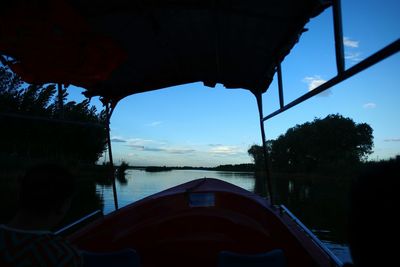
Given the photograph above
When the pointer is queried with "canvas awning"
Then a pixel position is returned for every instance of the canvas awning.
(122, 47)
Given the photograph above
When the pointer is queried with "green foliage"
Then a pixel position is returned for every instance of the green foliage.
(256, 152)
(332, 142)
(121, 172)
(122, 168)
(46, 133)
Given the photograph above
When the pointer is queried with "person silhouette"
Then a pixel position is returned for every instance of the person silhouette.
(45, 194)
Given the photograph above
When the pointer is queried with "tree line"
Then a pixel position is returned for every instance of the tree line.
(329, 144)
(39, 124)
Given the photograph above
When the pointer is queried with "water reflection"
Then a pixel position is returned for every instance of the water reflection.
(321, 203)
(85, 201)
(86, 198)
(260, 186)
(290, 187)
(244, 175)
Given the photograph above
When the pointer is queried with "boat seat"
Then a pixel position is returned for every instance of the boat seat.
(273, 258)
(123, 258)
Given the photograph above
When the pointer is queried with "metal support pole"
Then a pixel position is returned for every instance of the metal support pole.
(334, 259)
(108, 114)
(280, 85)
(267, 171)
(382, 54)
(338, 29)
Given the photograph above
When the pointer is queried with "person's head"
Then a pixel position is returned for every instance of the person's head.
(373, 213)
(46, 190)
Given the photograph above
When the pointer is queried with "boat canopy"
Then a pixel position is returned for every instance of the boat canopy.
(122, 47)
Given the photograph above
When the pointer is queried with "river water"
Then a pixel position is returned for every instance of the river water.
(319, 202)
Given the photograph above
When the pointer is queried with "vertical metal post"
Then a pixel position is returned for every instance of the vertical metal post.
(108, 112)
(280, 85)
(267, 171)
(338, 29)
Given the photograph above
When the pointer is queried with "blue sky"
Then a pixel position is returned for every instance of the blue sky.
(201, 126)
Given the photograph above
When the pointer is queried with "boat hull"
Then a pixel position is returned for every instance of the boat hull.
(188, 225)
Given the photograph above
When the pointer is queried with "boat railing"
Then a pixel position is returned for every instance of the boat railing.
(334, 259)
(78, 223)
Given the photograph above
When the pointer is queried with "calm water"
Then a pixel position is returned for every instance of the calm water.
(320, 204)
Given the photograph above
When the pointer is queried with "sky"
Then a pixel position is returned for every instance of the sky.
(194, 125)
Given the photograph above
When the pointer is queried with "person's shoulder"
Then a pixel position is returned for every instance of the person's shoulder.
(68, 250)
(9, 229)
(60, 248)
(10, 237)
(57, 240)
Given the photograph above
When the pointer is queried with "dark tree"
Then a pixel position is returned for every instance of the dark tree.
(34, 128)
(9, 90)
(332, 142)
(256, 152)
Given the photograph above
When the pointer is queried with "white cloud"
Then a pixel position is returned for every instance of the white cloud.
(225, 150)
(169, 150)
(214, 145)
(350, 43)
(118, 139)
(154, 123)
(369, 105)
(137, 147)
(140, 144)
(353, 56)
(392, 140)
(135, 142)
(155, 146)
(315, 81)
(180, 151)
